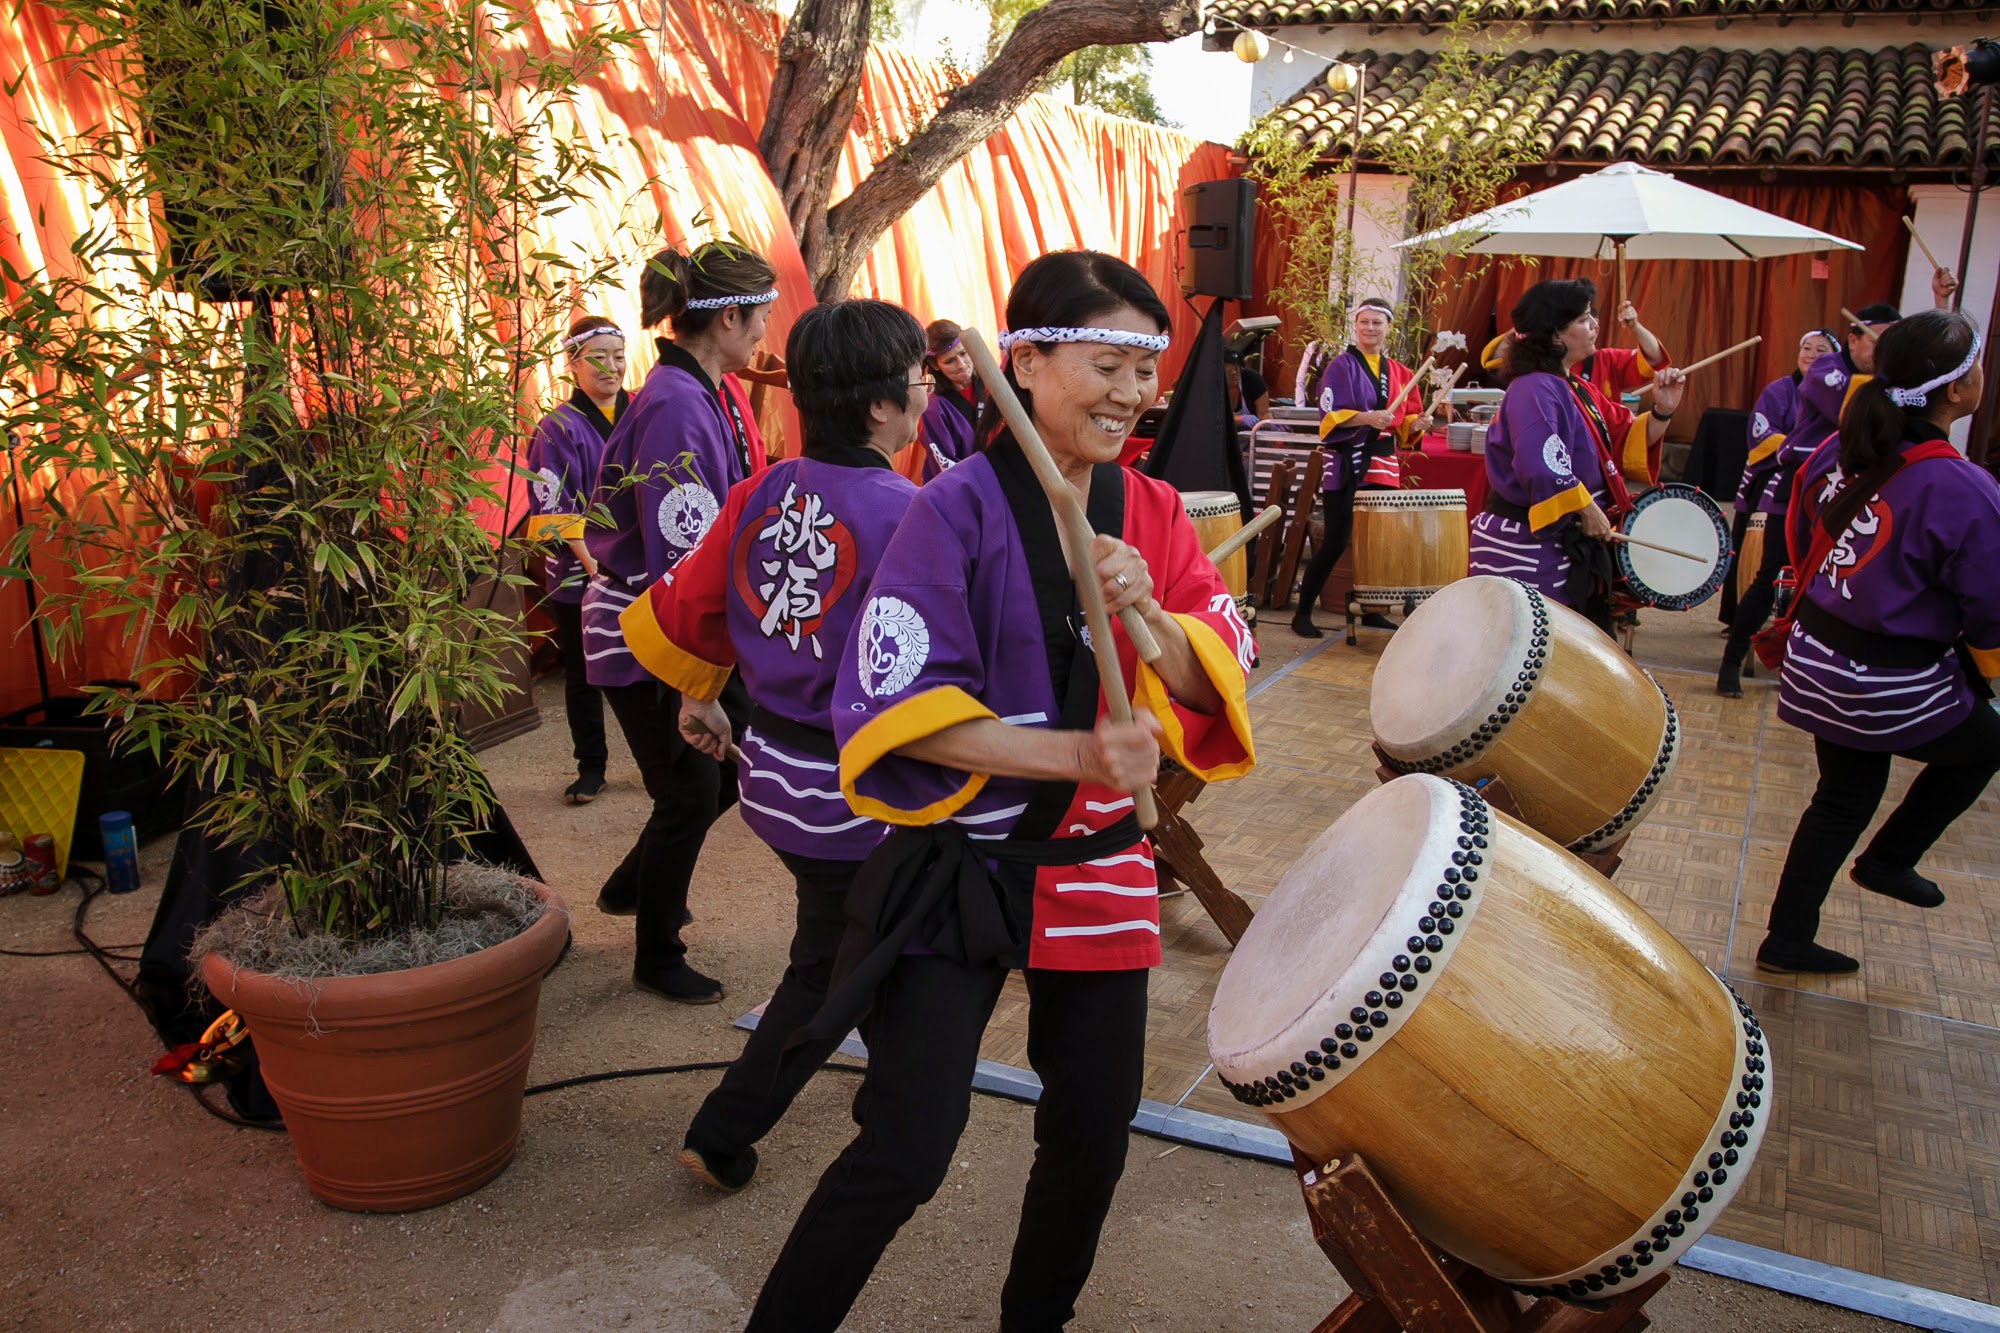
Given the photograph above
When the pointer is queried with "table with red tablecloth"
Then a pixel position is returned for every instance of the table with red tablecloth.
(1439, 469)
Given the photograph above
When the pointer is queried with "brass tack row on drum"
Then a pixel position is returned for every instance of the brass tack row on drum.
(1407, 545)
(1547, 1083)
(1489, 678)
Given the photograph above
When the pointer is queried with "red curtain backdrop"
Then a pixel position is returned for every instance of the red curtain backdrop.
(677, 120)
(1695, 308)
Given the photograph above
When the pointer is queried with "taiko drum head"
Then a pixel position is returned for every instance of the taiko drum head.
(1683, 519)
(1450, 665)
(1211, 504)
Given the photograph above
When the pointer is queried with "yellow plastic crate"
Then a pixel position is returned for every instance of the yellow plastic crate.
(39, 789)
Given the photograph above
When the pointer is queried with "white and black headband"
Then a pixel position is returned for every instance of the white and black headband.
(576, 340)
(1145, 342)
(723, 302)
(1920, 396)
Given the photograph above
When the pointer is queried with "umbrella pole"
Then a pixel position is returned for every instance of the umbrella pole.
(1624, 291)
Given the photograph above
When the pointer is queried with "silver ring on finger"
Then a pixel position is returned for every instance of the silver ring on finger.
(1122, 582)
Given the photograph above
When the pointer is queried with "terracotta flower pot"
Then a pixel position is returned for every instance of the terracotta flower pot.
(401, 1090)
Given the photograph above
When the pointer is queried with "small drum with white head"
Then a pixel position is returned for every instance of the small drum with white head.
(1751, 557)
(1217, 515)
(1407, 545)
(1679, 519)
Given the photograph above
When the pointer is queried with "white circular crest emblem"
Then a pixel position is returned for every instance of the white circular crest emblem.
(1326, 400)
(685, 513)
(893, 646)
(547, 485)
(1835, 378)
(1555, 454)
(1760, 425)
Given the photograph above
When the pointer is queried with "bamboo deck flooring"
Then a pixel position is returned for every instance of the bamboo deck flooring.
(1884, 1152)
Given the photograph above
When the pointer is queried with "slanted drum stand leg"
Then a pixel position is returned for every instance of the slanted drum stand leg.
(1178, 859)
(1400, 1284)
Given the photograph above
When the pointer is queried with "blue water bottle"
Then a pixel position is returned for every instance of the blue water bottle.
(121, 851)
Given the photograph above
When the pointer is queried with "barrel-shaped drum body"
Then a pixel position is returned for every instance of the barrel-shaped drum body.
(1408, 544)
(1217, 516)
(1752, 555)
(1548, 1084)
(1491, 679)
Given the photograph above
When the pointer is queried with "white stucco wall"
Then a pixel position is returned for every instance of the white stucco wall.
(1940, 219)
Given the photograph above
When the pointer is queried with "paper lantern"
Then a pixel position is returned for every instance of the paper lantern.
(1251, 47)
(1342, 78)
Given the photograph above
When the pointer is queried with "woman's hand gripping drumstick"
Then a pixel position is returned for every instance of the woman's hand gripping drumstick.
(705, 727)
(1076, 528)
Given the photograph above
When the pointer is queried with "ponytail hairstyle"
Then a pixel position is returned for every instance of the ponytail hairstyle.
(843, 357)
(1539, 317)
(1921, 351)
(1067, 289)
(708, 272)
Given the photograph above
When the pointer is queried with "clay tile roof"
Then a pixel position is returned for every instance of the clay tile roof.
(1294, 13)
(1692, 107)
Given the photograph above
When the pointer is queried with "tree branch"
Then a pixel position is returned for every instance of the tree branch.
(813, 95)
(972, 114)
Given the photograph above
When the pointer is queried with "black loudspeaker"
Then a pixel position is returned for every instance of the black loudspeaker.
(1217, 217)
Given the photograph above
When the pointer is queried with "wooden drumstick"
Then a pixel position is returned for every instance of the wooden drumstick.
(1655, 546)
(1445, 392)
(1239, 539)
(1110, 677)
(1746, 344)
(1917, 236)
(1853, 319)
(1414, 381)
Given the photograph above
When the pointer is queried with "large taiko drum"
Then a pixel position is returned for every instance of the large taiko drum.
(1548, 1083)
(1218, 516)
(1751, 556)
(1685, 558)
(1407, 545)
(1489, 678)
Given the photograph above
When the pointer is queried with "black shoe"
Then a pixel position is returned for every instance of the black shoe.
(617, 903)
(584, 790)
(1782, 955)
(718, 1171)
(1728, 682)
(1905, 886)
(1376, 620)
(687, 916)
(679, 983)
(1302, 625)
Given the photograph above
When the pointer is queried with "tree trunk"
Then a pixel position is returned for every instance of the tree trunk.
(813, 99)
(813, 95)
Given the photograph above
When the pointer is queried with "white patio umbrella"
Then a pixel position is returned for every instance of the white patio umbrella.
(1627, 210)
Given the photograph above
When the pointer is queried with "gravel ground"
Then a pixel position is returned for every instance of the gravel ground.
(123, 1206)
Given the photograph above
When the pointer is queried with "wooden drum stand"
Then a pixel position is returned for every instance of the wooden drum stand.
(1399, 1283)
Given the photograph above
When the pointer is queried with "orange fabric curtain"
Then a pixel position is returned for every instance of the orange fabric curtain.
(677, 122)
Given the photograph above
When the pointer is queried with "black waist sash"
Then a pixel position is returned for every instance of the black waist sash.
(1866, 646)
(1500, 508)
(799, 736)
(935, 879)
(1591, 569)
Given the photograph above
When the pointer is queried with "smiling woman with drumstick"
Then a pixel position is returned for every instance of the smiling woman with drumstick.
(1552, 466)
(971, 717)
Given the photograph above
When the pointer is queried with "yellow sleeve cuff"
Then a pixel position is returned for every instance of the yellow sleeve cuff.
(1647, 368)
(1489, 355)
(1637, 464)
(564, 527)
(913, 719)
(1571, 501)
(1771, 444)
(692, 676)
(1219, 664)
(1333, 421)
(1987, 660)
(1852, 385)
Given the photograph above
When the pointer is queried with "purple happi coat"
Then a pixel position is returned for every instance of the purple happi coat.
(1770, 422)
(1350, 386)
(971, 615)
(1823, 394)
(1918, 562)
(1541, 459)
(564, 455)
(670, 457)
(946, 435)
(772, 591)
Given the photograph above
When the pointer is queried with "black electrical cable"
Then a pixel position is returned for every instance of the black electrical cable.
(695, 1067)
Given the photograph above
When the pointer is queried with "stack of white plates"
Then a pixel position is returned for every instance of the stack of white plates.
(1479, 439)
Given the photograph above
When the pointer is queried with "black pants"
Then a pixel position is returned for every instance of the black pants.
(1337, 507)
(1086, 1039)
(689, 790)
(582, 701)
(1957, 766)
(752, 1095)
(1725, 604)
(1754, 607)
